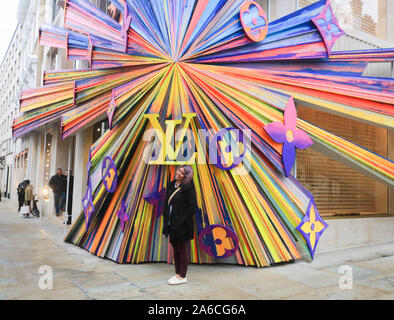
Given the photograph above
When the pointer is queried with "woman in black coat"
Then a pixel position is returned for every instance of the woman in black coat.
(179, 209)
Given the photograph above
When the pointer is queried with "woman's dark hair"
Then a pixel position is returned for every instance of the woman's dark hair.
(27, 181)
(188, 173)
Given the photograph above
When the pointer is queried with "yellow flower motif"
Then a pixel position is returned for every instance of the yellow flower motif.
(312, 227)
(221, 241)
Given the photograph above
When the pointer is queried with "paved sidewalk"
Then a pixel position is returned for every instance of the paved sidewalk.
(28, 244)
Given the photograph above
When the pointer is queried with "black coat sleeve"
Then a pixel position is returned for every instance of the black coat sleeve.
(165, 208)
(168, 191)
(192, 204)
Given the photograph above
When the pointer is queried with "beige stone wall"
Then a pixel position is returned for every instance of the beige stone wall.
(345, 233)
(391, 157)
(390, 20)
(381, 25)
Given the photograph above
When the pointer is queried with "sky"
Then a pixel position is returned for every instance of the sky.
(371, 7)
(8, 22)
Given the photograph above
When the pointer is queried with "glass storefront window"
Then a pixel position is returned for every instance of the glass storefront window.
(369, 16)
(339, 190)
(99, 129)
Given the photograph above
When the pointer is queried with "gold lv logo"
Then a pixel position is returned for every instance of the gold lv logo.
(175, 146)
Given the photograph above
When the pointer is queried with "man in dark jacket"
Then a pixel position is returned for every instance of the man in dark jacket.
(58, 184)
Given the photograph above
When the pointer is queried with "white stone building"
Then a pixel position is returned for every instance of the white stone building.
(42, 150)
(11, 74)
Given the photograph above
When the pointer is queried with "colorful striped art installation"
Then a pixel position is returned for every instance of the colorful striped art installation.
(212, 66)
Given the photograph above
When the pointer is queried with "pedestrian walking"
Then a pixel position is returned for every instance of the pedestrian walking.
(21, 194)
(58, 184)
(29, 195)
(179, 210)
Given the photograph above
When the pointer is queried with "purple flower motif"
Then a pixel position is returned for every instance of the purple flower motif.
(122, 214)
(220, 156)
(289, 135)
(109, 174)
(312, 227)
(328, 26)
(218, 241)
(157, 199)
(87, 203)
(254, 21)
(125, 27)
(252, 18)
(111, 109)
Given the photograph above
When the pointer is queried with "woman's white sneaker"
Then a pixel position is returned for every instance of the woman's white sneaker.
(170, 281)
(175, 280)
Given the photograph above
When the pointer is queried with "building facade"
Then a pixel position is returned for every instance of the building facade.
(37, 155)
(11, 74)
(348, 198)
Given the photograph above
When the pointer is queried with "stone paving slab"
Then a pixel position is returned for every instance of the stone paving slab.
(28, 244)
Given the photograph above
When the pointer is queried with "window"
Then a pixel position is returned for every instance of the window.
(99, 129)
(369, 16)
(103, 5)
(339, 190)
(52, 59)
(54, 9)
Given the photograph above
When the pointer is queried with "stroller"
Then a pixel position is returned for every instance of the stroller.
(26, 210)
(35, 212)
